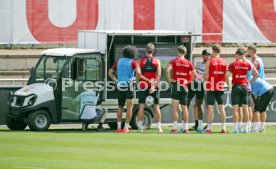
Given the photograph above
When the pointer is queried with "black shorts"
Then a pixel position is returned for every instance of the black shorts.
(144, 93)
(249, 100)
(123, 95)
(179, 93)
(196, 88)
(262, 102)
(213, 96)
(239, 95)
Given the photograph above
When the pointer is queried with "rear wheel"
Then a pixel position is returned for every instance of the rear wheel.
(147, 120)
(13, 124)
(39, 120)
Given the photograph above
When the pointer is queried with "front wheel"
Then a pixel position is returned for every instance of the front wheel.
(13, 124)
(147, 120)
(39, 120)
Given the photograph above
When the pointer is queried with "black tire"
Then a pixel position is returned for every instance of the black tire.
(39, 120)
(147, 121)
(13, 124)
(113, 125)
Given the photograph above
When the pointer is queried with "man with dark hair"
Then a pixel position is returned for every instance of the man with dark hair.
(125, 68)
(181, 68)
(215, 76)
(148, 85)
(196, 88)
(239, 94)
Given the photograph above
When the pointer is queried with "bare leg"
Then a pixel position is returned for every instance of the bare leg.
(263, 117)
(129, 105)
(119, 114)
(235, 109)
(175, 104)
(210, 116)
(119, 117)
(157, 113)
(240, 115)
(246, 117)
(222, 116)
(263, 120)
(141, 116)
(199, 105)
(195, 112)
(158, 117)
(185, 117)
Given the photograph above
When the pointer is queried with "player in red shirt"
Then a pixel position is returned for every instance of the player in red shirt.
(180, 79)
(215, 76)
(150, 77)
(239, 94)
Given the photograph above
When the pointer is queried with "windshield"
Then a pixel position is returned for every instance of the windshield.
(49, 67)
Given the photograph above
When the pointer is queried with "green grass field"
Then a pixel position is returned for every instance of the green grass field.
(76, 149)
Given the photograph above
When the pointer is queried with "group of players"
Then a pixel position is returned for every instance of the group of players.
(249, 90)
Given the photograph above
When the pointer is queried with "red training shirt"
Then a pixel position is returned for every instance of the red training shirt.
(181, 69)
(239, 70)
(217, 71)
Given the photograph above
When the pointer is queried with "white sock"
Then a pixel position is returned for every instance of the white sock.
(250, 123)
(262, 125)
(199, 124)
(222, 126)
(259, 124)
(236, 126)
(175, 125)
(184, 125)
(158, 125)
(240, 125)
(209, 126)
(140, 124)
(247, 127)
(255, 126)
(119, 124)
(126, 125)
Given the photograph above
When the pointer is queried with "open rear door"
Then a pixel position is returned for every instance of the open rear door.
(87, 71)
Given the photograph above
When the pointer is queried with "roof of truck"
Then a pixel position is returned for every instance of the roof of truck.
(68, 51)
(142, 32)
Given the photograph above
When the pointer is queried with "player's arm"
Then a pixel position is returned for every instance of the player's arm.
(111, 74)
(158, 72)
(255, 74)
(112, 71)
(168, 73)
(193, 74)
(206, 73)
(227, 76)
(137, 69)
(256, 64)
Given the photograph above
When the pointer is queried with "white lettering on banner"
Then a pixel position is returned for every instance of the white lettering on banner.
(273, 106)
(46, 21)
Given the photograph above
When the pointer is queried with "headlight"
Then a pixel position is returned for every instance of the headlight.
(31, 100)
